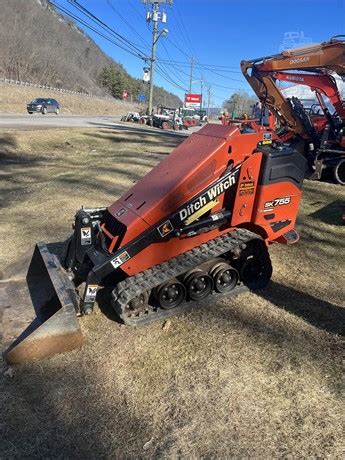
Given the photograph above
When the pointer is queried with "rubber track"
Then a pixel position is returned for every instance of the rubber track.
(131, 287)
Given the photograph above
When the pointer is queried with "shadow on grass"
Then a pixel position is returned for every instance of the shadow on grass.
(317, 312)
(320, 313)
(61, 411)
(9, 160)
(330, 214)
(8, 156)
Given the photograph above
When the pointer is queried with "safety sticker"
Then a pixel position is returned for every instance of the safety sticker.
(91, 291)
(85, 234)
(247, 188)
(165, 228)
(267, 138)
(120, 259)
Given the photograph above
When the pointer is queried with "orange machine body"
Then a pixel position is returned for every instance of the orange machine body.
(193, 167)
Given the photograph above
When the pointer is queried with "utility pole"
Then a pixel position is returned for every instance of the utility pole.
(201, 88)
(208, 101)
(155, 15)
(192, 62)
(155, 8)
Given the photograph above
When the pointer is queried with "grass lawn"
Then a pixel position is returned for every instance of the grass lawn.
(259, 375)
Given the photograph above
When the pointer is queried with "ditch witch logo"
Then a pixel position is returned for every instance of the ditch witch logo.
(220, 187)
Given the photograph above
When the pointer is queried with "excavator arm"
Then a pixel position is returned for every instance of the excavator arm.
(262, 73)
(324, 84)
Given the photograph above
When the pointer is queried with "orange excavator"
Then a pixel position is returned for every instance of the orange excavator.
(321, 139)
(195, 228)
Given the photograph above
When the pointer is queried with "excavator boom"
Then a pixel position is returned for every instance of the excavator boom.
(261, 74)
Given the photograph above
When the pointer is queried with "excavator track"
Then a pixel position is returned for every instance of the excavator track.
(144, 282)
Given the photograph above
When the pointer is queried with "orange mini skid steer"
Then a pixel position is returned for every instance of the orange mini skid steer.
(194, 228)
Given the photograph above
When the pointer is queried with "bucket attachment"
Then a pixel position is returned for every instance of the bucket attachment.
(37, 302)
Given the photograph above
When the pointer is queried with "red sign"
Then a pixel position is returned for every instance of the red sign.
(193, 98)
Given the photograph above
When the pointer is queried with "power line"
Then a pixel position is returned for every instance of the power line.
(189, 44)
(214, 84)
(90, 27)
(175, 45)
(173, 69)
(129, 25)
(105, 26)
(126, 45)
(134, 8)
(209, 65)
(166, 77)
(201, 67)
(141, 38)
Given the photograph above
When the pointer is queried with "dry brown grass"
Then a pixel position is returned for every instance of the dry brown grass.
(256, 376)
(13, 99)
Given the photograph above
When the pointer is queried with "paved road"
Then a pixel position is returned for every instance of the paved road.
(54, 121)
(39, 121)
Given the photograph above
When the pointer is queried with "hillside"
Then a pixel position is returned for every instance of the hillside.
(13, 99)
(42, 46)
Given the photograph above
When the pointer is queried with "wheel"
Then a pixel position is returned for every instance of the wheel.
(57, 110)
(225, 277)
(138, 304)
(44, 110)
(254, 265)
(171, 294)
(339, 172)
(187, 121)
(193, 122)
(142, 121)
(199, 284)
(165, 125)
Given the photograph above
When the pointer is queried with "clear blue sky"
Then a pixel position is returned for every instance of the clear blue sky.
(217, 33)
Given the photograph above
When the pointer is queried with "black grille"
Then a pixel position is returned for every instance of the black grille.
(113, 226)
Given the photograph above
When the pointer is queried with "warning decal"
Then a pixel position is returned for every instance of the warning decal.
(120, 259)
(91, 291)
(165, 228)
(85, 235)
(247, 188)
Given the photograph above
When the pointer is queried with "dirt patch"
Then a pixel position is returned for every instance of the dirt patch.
(256, 376)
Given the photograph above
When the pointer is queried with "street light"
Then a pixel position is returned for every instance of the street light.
(162, 33)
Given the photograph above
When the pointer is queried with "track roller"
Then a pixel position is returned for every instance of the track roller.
(224, 276)
(199, 284)
(170, 294)
(138, 305)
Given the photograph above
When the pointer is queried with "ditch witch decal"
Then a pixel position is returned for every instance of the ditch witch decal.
(215, 190)
(165, 228)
